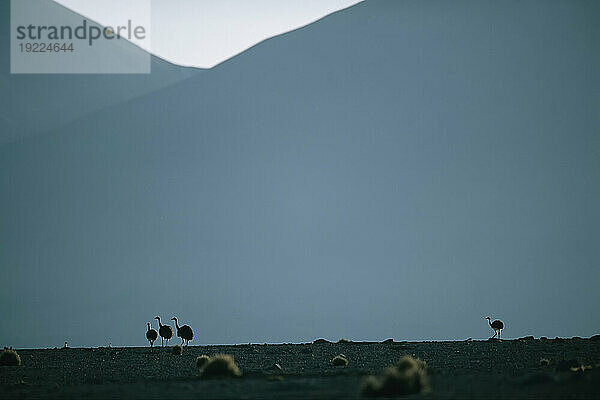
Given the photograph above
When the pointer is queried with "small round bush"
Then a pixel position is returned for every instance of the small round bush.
(177, 350)
(201, 360)
(409, 363)
(544, 362)
(343, 340)
(407, 377)
(339, 360)
(9, 357)
(220, 366)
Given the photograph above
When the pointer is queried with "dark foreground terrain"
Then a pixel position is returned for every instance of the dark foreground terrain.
(468, 369)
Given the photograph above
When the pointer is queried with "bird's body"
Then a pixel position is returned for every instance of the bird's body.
(184, 332)
(497, 326)
(151, 335)
(165, 332)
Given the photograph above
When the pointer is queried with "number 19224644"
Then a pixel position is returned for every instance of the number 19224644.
(46, 47)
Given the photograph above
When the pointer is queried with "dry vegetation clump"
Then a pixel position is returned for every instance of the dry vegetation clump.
(343, 340)
(409, 376)
(582, 368)
(9, 357)
(220, 366)
(202, 360)
(566, 365)
(339, 361)
(544, 362)
(177, 350)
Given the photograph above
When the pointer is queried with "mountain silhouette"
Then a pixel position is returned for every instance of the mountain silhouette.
(37, 103)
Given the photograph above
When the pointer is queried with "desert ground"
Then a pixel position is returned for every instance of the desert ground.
(456, 369)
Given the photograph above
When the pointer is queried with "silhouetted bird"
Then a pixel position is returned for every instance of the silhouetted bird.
(165, 332)
(497, 326)
(151, 335)
(185, 332)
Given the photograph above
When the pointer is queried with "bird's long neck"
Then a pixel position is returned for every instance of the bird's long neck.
(159, 324)
(148, 325)
(176, 324)
(489, 321)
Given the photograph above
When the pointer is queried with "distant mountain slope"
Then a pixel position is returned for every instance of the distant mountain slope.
(398, 168)
(32, 104)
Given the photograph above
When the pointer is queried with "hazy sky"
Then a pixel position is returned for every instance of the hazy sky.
(398, 169)
(203, 33)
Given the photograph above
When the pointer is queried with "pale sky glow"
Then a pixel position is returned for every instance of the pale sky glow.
(203, 33)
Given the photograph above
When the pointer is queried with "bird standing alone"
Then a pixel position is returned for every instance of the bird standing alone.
(497, 326)
(165, 331)
(185, 332)
(151, 335)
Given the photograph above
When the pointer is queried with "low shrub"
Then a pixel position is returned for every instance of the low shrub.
(566, 365)
(177, 350)
(339, 360)
(409, 376)
(9, 358)
(202, 360)
(220, 366)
